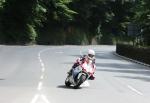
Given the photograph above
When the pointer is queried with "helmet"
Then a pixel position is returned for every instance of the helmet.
(91, 54)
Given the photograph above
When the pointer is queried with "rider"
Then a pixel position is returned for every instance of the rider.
(89, 59)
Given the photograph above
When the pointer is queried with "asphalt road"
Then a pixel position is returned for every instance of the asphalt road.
(36, 74)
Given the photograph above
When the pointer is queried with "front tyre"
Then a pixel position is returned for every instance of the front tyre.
(80, 81)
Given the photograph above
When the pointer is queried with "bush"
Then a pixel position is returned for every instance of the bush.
(141, 54)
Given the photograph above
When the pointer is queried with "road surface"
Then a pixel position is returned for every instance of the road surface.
(36, 74)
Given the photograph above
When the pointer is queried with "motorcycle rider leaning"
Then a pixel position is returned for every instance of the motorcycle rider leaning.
(90, 59)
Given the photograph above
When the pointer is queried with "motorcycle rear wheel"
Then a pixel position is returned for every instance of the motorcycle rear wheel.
(67, 83)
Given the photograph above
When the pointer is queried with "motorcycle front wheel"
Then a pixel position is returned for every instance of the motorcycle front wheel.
(80, 81)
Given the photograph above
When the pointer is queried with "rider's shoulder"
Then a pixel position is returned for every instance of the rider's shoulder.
(81, 58)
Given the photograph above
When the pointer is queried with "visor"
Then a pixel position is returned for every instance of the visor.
(90, 55)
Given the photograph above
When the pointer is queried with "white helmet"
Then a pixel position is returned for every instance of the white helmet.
(91, 54)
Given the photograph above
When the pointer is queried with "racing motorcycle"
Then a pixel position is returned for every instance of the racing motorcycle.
(77, 77)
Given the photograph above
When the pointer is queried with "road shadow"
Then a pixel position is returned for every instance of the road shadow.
(107, 55)
(114, 65)
(119, 65)
(131, 71)
(65, 87)
(2, 79)
(124, 67)
(147, 79)
(99, 55)
(139, 70)
(103, 55)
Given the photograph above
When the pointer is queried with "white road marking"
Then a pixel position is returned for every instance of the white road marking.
(42, 64)
(43, 69)
(40, 96)
(42, 77)
(40, 85)
(35, 98)
(40, 60)
(135, 90)
(44, 98)
(130, 87)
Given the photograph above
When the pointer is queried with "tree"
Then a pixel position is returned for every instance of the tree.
(91, 15)
(142, 17)
(1, 9)
(58, 17)
(18, 21)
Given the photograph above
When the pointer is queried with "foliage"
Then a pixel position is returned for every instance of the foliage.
(122, 16)
(49, 21)
(17, 19)
(58, 16)
(142, 17)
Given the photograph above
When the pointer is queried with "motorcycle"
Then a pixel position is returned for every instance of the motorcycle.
(77, 77)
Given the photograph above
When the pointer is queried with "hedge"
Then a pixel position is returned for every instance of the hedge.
(140, 54)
